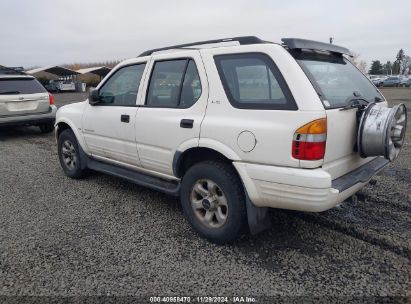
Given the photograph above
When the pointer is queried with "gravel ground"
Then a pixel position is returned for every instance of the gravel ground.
(105, 236)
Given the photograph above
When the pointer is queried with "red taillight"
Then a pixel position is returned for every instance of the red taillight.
(309, 140)
(51, 99)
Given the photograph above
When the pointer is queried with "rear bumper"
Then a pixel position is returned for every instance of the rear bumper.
(30, 119)
(303, 189)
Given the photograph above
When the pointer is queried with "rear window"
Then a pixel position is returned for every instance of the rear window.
(20, 86)
(336, 79)
(252, 81)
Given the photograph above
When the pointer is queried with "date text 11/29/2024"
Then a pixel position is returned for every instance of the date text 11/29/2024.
(176, 299)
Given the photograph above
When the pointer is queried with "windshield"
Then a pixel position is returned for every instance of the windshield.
(336, 79)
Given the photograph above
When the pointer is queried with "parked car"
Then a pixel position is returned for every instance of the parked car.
(24, 101)
(391, 82)
(233, 130)
(378, 81)
(60, 86)
(405, 82)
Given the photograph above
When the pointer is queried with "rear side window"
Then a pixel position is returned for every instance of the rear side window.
(174, 84)
(20, 86)
(252, 81)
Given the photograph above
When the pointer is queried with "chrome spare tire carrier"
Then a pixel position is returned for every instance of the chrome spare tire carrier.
(381, 131)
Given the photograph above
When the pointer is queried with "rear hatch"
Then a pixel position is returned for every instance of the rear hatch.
(339, 83)
(22, 95)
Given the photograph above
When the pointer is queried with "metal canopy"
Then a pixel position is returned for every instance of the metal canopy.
(11, 70)
(100, 71)
(56, 70)
(296, 43)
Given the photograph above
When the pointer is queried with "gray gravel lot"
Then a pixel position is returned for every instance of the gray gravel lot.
(105, 236)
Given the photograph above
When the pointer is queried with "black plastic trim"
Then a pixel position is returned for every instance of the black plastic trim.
(28, 122)
(297, 43)
(187, 123)
(149, 181)
(360, 175)
(177, 162)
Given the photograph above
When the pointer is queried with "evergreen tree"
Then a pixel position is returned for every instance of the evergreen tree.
(376, 68)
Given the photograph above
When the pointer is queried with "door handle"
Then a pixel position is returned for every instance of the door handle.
(187, 123)
(125, 118)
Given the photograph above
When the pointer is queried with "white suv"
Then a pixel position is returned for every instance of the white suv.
(234, 129)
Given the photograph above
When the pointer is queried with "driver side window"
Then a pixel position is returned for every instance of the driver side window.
(122, 87)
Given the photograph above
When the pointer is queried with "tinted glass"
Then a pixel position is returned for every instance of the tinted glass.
(337, 78)
(21, 86)
(122, 87)
(191, 90)
(252, 80)
(165, 83)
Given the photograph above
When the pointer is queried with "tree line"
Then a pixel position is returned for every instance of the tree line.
(401, 65)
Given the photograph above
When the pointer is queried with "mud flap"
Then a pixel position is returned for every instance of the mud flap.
(84, 159)
(258, 218)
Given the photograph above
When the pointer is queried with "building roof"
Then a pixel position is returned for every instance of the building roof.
(56, 70)
(100, 71)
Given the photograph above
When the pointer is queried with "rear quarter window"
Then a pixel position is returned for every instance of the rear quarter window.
(21, 86)
(253, 81)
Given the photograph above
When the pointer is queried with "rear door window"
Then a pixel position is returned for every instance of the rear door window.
(20, 86)
(253, 81)
(174, 84)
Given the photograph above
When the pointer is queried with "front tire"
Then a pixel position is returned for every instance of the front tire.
(213, 201)
(69, 155)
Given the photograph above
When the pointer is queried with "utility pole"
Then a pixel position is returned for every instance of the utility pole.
(331, 40)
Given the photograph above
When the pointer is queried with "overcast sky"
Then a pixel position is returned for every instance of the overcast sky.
(51, 32)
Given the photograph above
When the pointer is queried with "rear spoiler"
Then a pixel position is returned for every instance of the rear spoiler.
(296, 43)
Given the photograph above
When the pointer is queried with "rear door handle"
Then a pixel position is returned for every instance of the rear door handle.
(125, 118)
(187, 123)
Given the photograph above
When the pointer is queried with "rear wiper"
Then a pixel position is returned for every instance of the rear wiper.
(355, 101)
(9, 92)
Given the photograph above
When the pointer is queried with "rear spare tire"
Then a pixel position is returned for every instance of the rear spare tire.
(382, 131)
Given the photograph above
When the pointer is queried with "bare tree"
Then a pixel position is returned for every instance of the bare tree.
(358, 62)
(405, 63)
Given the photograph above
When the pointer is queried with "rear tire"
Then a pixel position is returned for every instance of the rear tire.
(213, 201)
(69, 155)
(46, 127)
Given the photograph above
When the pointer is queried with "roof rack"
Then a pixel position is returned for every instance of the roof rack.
(241, 40)
(296, 43)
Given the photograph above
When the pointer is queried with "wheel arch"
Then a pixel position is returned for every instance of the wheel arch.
(64, 124)
(184, 159)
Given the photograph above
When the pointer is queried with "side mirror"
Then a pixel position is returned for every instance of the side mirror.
(93, 97)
